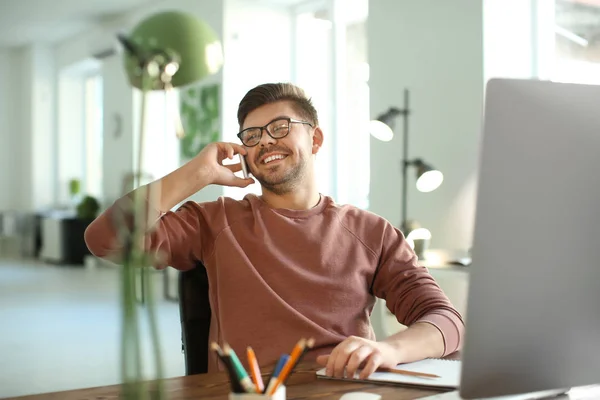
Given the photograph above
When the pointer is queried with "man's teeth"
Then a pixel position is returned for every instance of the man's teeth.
(272, 158)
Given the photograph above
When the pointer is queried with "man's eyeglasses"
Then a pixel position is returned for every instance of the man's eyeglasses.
(277, 129)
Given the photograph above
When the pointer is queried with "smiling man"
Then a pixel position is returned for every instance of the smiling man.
(290, 263)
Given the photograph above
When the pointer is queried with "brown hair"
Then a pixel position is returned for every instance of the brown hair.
(273, 92)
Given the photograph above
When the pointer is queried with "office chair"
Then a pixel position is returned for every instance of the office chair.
(194, 314)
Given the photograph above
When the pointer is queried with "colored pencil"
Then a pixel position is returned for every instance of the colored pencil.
(255, 370)
(287, 368)
(409, 373)
(273, 378)
(236, 387)
(243, 377)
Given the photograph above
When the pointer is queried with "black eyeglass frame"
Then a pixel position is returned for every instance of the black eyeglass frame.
(265, 128)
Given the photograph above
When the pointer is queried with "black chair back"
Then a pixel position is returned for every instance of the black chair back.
(194, 312)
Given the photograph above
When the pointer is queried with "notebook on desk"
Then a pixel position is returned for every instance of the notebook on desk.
(447, 370)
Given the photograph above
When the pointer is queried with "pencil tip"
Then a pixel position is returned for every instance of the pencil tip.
(310, 342)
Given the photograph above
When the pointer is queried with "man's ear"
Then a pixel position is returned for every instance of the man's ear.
(317, 139)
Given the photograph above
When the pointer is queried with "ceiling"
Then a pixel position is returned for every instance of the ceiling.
(25, 21)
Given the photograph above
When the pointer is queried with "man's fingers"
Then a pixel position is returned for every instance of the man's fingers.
(234, 167)
(239, 182)
(371, 366)
(329, 368)
(356, 359)
(237, 149)
(342, 356)
(322, 359)
(228, 150)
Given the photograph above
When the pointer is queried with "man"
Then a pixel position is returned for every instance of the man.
(291, 263)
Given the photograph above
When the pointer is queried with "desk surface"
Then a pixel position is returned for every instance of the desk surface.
(303, 384)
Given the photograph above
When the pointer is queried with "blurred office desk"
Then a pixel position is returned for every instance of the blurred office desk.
(303, 384)
(18, 234)
(62, 238)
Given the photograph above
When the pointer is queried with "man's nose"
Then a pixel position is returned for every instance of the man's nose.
(266, 139)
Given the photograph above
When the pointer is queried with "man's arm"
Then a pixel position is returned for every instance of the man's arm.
(170, 233)
(435, 328)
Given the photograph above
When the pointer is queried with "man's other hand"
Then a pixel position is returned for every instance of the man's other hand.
(356, 353)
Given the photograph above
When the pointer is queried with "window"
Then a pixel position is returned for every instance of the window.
(576, 56)
(355, 168)
(92, 179)
(330, 63)
(161, 151)
(313, 71)
(80, 132)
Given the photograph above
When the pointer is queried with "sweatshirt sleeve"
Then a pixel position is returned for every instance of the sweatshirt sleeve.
(411, 293)
(177, 239)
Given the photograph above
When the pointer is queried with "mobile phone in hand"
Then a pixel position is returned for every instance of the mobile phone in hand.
(244, 167)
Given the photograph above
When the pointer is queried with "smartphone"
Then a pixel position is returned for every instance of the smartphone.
(244, 167)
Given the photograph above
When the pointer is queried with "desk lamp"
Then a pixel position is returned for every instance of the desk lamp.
(428, 178)
(164, 51)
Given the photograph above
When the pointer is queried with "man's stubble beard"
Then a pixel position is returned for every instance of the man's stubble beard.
(285, 184)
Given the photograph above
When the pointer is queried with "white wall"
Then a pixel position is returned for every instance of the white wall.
(6, 129)
(23, 144)
(29, 129)
(13, 98)
(43, 127)
(118, 139)
(435, 49)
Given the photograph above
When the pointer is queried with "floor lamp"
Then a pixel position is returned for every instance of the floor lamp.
(428, 178)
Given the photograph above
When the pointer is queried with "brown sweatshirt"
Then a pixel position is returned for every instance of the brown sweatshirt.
(276, 275)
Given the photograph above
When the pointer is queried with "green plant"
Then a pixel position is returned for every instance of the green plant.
(88, 208)
(200, 110)
(74, 187)
(167, 50)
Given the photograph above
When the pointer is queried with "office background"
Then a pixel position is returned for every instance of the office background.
(67, 114)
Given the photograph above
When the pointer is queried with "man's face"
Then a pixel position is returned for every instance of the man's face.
(280, 165)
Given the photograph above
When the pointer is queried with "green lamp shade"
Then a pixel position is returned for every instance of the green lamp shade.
(191, 41)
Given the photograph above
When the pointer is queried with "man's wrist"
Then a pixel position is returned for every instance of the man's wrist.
(181, 184)
(420, 340)
(398, 344)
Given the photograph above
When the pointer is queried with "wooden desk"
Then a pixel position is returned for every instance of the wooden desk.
(303, 384)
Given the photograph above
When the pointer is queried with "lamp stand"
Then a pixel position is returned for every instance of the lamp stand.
(405, 112)
(428, 178)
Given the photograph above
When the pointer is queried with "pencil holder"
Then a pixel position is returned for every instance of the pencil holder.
(278, 395)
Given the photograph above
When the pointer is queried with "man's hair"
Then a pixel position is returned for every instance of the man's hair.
(273, 92)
